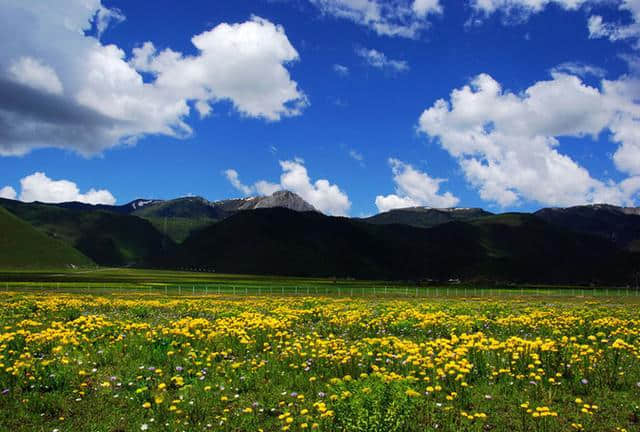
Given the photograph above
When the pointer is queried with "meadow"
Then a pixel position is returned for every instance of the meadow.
(107, 359)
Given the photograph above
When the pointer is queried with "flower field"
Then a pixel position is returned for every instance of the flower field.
(130, 362)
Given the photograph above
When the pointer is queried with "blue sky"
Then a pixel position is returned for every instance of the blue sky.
(329, 90)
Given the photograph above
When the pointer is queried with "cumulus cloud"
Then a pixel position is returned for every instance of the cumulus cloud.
(35, 74)
(264, 187)
(402, 18)
(414, 188)
(8, 192)
(127, 96)
(507, 144)
(39, 187)
(379, 60)
(324, 196)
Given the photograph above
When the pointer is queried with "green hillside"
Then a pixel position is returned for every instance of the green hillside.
(178, 228)
(23, 246)
(505, 248)
(108, 238)
(180, 217)
(422, 217)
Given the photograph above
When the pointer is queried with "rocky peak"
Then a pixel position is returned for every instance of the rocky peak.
(283, 198)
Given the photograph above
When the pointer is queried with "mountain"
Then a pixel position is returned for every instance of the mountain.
(23, 246)
(509, 247)
(107, 237)
(621, 225)
(179, 217)
(283, 199)
(175, 219)
(426, 217)
(526, 248)
(281, 234)
(285, 242)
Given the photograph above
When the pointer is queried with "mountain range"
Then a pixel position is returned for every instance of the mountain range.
(281, 234)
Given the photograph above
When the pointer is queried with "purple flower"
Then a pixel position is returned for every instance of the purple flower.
(321, 394)
(294, 394)
(5, 391)
(584, 381)
(179, 368)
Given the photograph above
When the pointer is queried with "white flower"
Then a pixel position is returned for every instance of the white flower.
(144, 426)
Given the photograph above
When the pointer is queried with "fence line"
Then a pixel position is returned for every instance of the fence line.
(372, 291)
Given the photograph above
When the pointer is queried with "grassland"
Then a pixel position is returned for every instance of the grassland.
(141, 358)
(95, 279)
(24, 247)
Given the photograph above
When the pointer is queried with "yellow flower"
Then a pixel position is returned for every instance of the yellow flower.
(412, 393)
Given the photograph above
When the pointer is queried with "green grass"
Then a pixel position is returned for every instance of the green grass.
(123, 360)
(105, 237)
(23, 247)
(172, 282)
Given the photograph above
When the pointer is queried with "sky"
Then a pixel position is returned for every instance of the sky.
(359, 106)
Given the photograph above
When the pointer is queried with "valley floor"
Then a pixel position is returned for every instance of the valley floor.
(102, 359)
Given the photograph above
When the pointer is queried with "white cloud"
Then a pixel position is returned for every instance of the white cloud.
(39, 187)
(341, 70)
(414, 188)
(33, 73)
(522, 6)
(264, 187)
(324, 196)
(379, 60)
(616, 31)
(8, 192)
(520, 10)
(239, 62)
(356, 155)
(232, 176)
(106, 100)
(580, 69)
(423, 8)
(403, 18)
(105, 16)
(507, 144)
